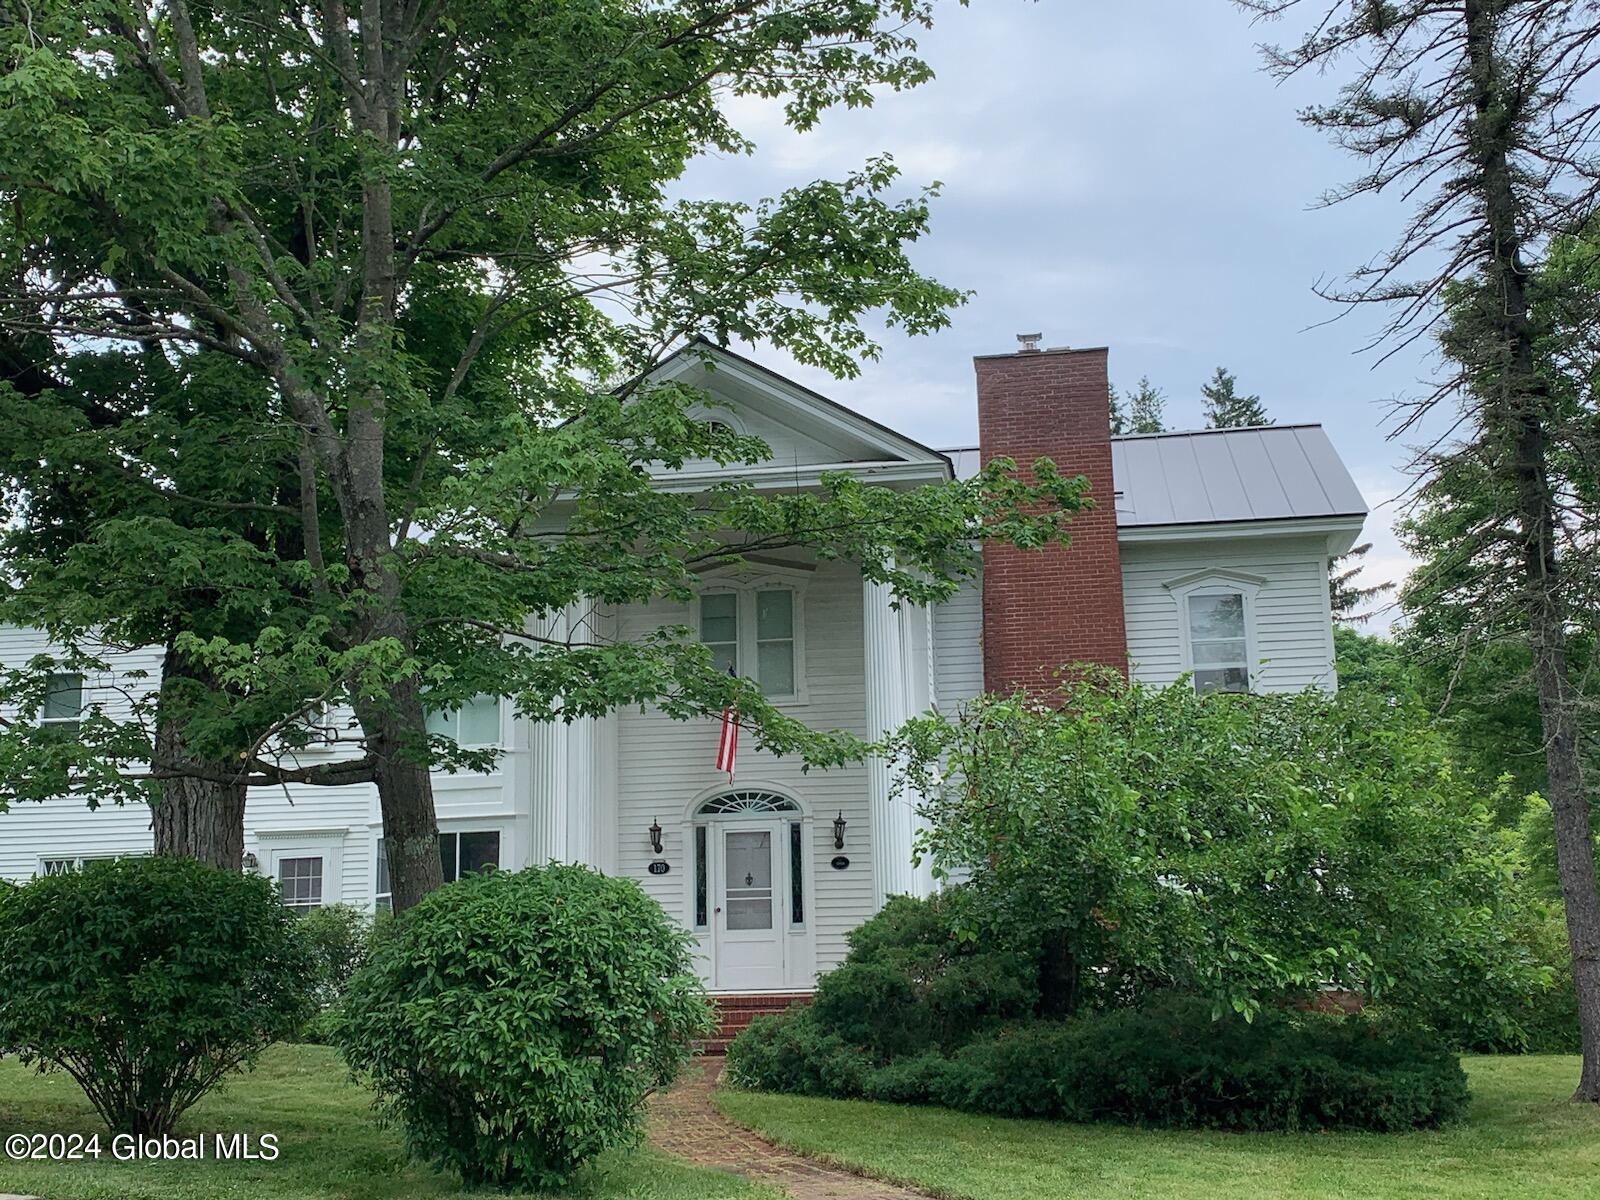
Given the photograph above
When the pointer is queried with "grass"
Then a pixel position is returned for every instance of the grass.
(1523, 1139)
(330, 1147)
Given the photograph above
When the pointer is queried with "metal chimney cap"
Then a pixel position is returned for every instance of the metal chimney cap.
(1030, 342)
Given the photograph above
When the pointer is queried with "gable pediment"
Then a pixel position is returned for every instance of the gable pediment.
(803, 428)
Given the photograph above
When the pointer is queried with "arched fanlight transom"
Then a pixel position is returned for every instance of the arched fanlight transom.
(747, 802)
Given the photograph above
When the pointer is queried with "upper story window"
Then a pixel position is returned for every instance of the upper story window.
(475, 723)
(1219, 642)
(755, 632)
(63, 701)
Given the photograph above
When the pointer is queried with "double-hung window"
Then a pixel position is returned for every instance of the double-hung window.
(475, 723)
(63, 701)
(1219, 643)
(755, 632)
(719, 628)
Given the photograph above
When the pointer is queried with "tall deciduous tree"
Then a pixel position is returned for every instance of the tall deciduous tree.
(1226, 408)
(437, 239)
(1477, 111)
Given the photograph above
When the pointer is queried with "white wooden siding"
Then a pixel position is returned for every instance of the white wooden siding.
(663, 765)
(958, 647)
(344, 820)
(1293, 638)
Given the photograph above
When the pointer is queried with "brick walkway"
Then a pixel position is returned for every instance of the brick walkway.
(684, 1122)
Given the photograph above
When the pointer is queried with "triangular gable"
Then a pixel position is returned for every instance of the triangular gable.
(803, 427)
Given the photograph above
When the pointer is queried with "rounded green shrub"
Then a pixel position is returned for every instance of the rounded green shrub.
(148, 980)
(512, 1024)
(911, 982)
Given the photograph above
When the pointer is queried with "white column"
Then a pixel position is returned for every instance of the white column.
(887, 701)
(581, 809)
(920, 697)
(565, 766)
(548, 767)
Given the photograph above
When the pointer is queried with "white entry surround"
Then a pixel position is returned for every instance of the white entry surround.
(753, 866)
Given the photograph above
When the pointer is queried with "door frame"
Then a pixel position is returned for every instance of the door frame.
(797, 943)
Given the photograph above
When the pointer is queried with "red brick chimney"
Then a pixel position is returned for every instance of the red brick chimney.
(1044, 609)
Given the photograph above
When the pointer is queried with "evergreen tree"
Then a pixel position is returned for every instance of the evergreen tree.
(1346, 594)
(1226, 409)
(1147, 408)
(1496, 143)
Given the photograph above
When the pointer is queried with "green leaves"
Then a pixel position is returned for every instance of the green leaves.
(513, 1024)
(1249, 848)
(149, 980)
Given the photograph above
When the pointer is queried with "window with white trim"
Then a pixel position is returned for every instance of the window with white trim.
(719, 628)
(755, 632)
(459, 854)
(1219, 642)
(475, 723)
(63, 701)
(300, 882)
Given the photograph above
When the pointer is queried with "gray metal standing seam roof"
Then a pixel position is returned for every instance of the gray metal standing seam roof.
(1267, 473)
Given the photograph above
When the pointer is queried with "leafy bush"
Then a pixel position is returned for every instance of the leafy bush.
(910, 982)
(1244, 848)
(1166, 1064)
(148, 980)
(512, 1024)
(792, 1053)
(338, 938)
(1170, 1064)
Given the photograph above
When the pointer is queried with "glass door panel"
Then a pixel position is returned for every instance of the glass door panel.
(748, 879)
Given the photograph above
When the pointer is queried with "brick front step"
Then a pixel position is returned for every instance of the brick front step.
(734, 1014)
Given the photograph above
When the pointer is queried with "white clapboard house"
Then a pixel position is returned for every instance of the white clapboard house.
(1208, 554)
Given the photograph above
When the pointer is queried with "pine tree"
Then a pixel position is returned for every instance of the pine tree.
(1480, 113)
(1147, 408)
(1226, 409)
(1345, 594)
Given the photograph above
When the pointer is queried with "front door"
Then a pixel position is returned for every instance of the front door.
(749, 918)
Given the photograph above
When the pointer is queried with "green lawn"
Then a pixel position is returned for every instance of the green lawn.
(329, 1146)
(1522, 1139)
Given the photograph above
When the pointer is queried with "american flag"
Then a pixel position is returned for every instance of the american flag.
(728, 744)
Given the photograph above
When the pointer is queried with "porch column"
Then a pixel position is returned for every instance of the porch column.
(566, 771)
(888, 705)
(548, 767)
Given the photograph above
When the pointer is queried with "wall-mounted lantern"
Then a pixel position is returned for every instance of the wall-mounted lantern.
(838, 831)
(251, 863)
(655, 836)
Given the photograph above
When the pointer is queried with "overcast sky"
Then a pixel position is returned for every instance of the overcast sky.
(1122, 175)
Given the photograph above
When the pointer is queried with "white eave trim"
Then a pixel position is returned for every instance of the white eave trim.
(1340, 532)
(806, 476)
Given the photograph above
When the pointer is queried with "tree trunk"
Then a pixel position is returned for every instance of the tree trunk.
(1516, 414)
(396, 731)
(396, 727)
(195, 818)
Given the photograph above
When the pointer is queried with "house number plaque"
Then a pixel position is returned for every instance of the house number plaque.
(840, 862)
(660, 867)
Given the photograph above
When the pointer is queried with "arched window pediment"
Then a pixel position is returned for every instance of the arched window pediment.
(746, 801)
